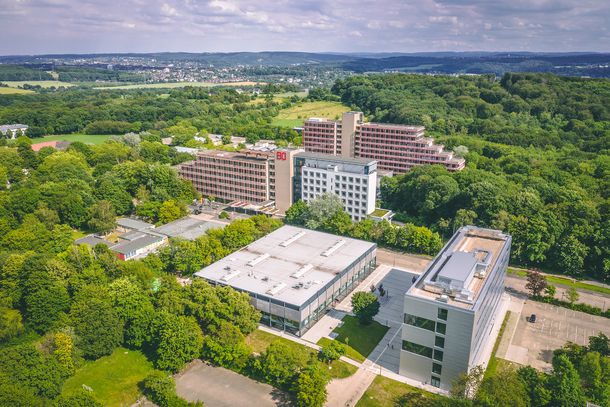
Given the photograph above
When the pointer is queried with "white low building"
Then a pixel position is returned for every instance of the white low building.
(12, 130)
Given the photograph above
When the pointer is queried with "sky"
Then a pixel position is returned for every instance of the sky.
(95, 26)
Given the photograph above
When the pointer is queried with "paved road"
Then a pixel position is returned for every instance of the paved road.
(596, 299)
(410, 262)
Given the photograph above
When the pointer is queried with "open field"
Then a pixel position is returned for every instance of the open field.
(279, 97)
(83, 138)
(42, 84)
(178, 85)
(114, 379)
(14, 91)
(494, 361)
(296, 115)
(360, 339)
(387, 392)
(259, 341)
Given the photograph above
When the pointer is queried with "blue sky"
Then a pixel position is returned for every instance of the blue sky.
(79, 26)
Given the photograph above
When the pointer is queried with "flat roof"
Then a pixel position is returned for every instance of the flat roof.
(289, 265)
(188, 228)
(128, 246)
(469, 251)
(336, 158)
(134, 224)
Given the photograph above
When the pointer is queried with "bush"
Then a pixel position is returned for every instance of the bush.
(160, 388)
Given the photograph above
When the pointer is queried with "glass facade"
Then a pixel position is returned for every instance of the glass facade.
(419, 322)
(417, 349)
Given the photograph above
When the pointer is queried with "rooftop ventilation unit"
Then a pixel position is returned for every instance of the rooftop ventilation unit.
(301, 272)
(276, 289)
(293, 239)
(333, 248)
(443, 298)
(257, 260)
(231, 275)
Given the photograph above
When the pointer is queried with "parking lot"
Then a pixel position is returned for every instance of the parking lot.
(533, 343)
(219, 387)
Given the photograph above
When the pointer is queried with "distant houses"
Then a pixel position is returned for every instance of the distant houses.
(13, 131)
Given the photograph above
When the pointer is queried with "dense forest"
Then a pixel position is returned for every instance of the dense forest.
(537, 160)
(19, 73)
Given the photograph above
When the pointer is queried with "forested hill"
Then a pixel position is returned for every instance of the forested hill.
(538, 163)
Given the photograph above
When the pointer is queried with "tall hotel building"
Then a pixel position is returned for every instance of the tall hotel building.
(396, 148)
(451, 310)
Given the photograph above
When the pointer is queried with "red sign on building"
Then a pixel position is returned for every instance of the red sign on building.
(280, 155)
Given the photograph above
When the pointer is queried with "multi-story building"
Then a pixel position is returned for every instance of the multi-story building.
(13, 130)
(354, 180)
(231, 176)
(397, 148)
(294, 275)
(452, 309)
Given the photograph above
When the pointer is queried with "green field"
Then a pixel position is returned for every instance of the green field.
(114, 379)
(83, 138)
(43, 84)
(260, 340)
(296, 115)
(385, 392)
(14, 91)
(360, 339)
(177, 85)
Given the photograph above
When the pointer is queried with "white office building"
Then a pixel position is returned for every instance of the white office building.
(451, 310)
(354, 180)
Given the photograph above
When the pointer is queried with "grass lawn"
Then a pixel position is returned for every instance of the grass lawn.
(565, 281)
(494, 362)
(362, 338)
(260, 340)
(84, 138)
(385, 392)
(114, 379)
(42, 84)
(297, 114)
(178, 85)
(14, 91)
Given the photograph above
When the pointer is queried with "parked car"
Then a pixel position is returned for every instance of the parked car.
(532, 318)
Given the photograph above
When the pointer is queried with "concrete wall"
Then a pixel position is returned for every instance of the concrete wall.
(349, 123)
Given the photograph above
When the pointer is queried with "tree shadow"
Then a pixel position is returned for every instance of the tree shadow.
(281, 398)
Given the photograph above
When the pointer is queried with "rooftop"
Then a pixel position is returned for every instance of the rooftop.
(458, 273)
(290, 264)
(336, 158)
(135, 224)
(188, 228)
(239, 155)
(129, 246)
(17, 126)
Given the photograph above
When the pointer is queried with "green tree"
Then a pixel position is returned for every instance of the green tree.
(504, 388)
(333, 351)
(45, 300)
(535, 383)
(590, 371)
(564, 383)
(322, 210)
(310, 387)
(10, 323)
(80, 398)
(225, 345)
(550, 290)
(135, 309)
(573, 295)
(64, 351)
(96, 324)
(365, 306)
(297, 214)
(170, 211)
(280, 364)
(178, 340)
(600, 344)
(103, 217)
(466, 384)
(160, 388)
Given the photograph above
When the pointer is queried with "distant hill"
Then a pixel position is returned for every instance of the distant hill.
(574, 63)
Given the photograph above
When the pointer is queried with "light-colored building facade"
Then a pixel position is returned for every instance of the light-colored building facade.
(397, 148)
(354, 180)
(451, 310)
(13, 130)
(294, 275)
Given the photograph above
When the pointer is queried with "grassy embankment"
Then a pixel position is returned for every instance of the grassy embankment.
(295, 115)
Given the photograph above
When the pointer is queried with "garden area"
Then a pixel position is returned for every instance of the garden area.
(297, 114)
(360, 340)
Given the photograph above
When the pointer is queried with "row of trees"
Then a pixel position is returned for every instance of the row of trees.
(327, 213)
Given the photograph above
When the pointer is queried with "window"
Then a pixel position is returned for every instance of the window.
(437, 368)
(441, 328)
(435, 381)
(417, 349)
(419, 322)
(442, 314)
(438, 355)
(439, 342)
